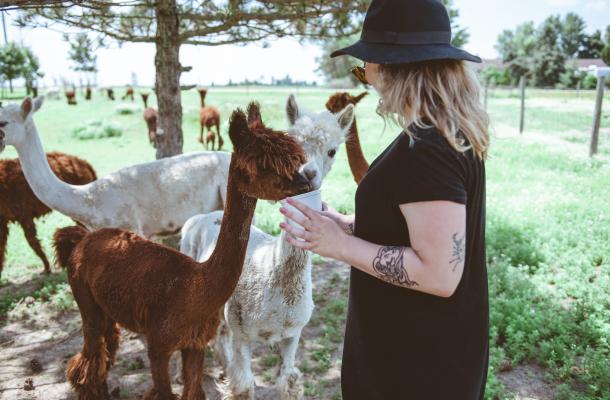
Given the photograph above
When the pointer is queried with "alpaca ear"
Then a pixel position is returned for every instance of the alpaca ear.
(238, 129)
(26, 107)
(292, 110)
(360, 97)
(38, 103)
(346, 116)
(254, 113)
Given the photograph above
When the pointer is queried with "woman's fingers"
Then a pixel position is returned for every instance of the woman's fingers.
(298, 243)
(296, 217)
(298, 232)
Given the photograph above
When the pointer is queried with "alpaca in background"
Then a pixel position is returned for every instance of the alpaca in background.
(209, 117)
(357, 162)
(128, 93)
(153, 199)
(174, 301)
(110, 94)
(71, 97)
(150, 117)
(88, 93)
(19, 204)
(273, 299)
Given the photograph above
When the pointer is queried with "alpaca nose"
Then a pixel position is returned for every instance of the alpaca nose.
(310, 174)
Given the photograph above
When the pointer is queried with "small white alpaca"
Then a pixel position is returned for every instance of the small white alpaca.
(273, 299)
(153, 199)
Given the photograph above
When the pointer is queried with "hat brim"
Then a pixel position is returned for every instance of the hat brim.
(380, 53)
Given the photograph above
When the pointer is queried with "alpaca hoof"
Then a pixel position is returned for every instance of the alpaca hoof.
(289, 386)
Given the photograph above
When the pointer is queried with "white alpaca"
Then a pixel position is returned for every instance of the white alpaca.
(152, 199)
(273, 299)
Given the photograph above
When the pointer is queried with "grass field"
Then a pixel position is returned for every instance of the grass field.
(548, 242)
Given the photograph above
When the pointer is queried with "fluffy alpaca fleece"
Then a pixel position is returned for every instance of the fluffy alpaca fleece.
(357, 162)
(273, 299)
(19, 204)
(153, 199)
(150, 117)
(174, 301)
(209, 117)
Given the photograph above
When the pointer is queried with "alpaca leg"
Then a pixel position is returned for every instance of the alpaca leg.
(222, 344)
(241, 378)
(3, 240)
(213, 139)
(87, 370)
(111, 335)
(192, 374)
(159, 368)
(29, 228)
(220, 141)
(288, 380)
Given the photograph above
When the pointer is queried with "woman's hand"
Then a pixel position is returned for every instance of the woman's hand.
(320, 233)
(346, 222)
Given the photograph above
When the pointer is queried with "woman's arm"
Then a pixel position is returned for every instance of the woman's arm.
(433, 265)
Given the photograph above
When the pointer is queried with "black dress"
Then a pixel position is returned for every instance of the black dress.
(403, 344)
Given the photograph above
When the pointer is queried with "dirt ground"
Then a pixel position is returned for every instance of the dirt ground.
(43, 337)
(36, 343)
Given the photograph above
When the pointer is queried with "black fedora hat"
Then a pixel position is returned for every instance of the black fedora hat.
(405, 31)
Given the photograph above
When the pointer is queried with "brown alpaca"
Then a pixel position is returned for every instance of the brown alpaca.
(150, 117)
(357, 162)
(110, 94)
(71, 97)
(19, 204)
(88, 93)
(209, 117)
(174, 301)
(128, 93)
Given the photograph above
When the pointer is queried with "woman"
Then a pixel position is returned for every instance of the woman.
(417, 325)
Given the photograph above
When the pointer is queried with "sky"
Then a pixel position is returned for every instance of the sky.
(484, 19)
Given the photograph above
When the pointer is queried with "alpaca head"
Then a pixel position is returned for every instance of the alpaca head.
(14, 120)
(320, 135)
(144, 97)
(340, 100)
(267, 161)
(202, 92)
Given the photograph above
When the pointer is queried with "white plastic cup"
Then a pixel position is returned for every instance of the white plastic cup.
(312, 200)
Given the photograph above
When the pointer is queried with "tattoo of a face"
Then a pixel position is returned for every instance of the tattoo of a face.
(389, 266)
(350, 229)
(459, 250)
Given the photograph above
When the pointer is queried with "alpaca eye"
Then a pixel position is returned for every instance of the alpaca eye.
(331, 153)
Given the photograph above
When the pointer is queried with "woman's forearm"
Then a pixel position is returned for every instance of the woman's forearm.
(400, 266)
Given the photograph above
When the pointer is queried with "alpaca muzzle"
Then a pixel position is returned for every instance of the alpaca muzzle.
(303, 184)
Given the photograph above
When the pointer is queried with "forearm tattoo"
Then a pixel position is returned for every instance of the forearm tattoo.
(389, 266)
(459, 250)
(350, 229)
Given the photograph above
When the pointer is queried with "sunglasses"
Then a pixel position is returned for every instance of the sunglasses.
(360, 74)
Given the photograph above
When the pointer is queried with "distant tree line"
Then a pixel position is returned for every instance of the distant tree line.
(19, 62)
(286, 81)
(544, 54)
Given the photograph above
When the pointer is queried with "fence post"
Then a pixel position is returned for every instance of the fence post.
(597, 116)
(522, 88)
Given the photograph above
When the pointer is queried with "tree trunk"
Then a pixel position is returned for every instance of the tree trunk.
(167, 85)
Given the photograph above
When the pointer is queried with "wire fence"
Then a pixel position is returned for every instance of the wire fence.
(564, 114)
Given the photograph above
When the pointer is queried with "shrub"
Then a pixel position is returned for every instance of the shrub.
(96, 130)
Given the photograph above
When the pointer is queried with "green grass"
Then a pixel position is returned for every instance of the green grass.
(548, 230)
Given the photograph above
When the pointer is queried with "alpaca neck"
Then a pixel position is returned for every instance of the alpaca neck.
(55, 193)
(223, 269)
(202, 96)
(292, 268)
(145, 102)
(357, 162)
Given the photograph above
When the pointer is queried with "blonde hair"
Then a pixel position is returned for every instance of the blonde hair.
(440, 93)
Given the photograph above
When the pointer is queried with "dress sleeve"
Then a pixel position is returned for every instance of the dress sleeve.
(429, 172)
